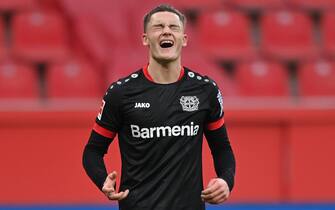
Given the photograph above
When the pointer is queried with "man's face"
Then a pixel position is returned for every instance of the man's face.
(165, 36)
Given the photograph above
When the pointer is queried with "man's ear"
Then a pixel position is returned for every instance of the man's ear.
(185, 39)
(145, 40)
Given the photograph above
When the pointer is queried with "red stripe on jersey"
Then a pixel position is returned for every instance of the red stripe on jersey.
(182, 71)
(146, 73)
(215, 125)
(148, 76)
(103, 131)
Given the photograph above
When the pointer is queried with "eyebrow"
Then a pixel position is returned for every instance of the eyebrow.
(161, 24)
(158, 24)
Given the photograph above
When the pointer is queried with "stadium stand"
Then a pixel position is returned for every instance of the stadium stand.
(225, 35)
(73, 79)
(328, 33)
(262, 78)
(196, 4)
(40, 37)
(102, 26)
(116, 27)
(87, 7)
(108, 33)
(317, 78)
(287, 35)
(257, 4)
(313, 4)
(18, 81)
(16, 5)
(2, 40)
(89, 35)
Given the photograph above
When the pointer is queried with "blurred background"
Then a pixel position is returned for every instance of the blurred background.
(274, 61)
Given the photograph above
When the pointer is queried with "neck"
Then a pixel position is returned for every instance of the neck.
(164, 73)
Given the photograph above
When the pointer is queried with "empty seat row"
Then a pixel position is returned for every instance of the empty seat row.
(282, 34)
(72, 79)
(101, 5)
(277, 4)
(101, 26)
(260, 78)
(80, 79)
(224, 35)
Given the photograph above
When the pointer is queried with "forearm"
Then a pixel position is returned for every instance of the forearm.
(223, 155)
(93, 160)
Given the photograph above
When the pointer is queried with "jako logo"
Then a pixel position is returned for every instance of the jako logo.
(142, 105)
(162, 131)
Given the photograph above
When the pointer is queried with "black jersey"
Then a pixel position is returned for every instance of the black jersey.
(160, 130)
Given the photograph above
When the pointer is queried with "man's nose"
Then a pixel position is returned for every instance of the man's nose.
(166, 30)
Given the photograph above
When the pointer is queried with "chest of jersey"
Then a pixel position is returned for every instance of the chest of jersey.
(171, 106)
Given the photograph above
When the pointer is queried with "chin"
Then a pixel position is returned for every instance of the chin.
(166, 59)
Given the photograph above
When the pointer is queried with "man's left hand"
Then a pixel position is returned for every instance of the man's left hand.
(216, 192)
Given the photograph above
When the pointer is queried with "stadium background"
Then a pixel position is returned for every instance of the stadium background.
(273, 59)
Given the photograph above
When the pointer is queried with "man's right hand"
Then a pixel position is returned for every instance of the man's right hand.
(109, 188)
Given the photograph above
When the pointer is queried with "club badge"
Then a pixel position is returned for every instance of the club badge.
(189, 103)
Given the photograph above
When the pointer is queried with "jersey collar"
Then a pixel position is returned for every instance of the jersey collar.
(148, 76)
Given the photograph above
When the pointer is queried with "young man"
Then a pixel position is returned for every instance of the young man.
(160, 114)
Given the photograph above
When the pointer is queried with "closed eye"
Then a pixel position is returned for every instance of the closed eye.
(158, 26)
(174, 27)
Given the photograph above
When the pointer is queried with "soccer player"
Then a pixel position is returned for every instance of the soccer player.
(160, 114)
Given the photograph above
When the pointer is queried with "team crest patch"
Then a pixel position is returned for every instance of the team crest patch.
(189, 103)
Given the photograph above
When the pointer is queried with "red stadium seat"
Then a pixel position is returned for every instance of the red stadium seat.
(18, 81)
(328, 32)
(40, 37)
(317, 78)
(257, 4)
(287, 35)
(225, 35)
(314, 4)
(73, 79)
(260, 78)
(14, 5)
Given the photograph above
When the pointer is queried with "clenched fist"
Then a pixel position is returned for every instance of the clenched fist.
(216, 192)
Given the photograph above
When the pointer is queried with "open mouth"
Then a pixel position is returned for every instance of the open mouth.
(166, 43)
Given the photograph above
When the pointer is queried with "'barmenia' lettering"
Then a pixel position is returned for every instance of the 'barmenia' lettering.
(162, 131)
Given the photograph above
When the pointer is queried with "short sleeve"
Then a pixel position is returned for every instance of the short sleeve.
(216, 114)
(109, 118)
